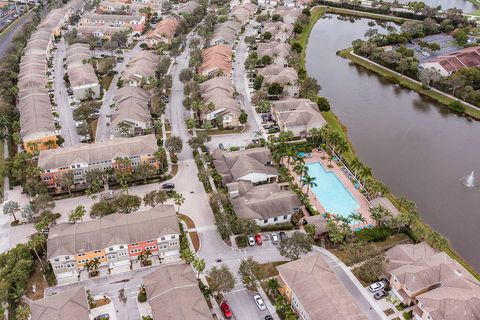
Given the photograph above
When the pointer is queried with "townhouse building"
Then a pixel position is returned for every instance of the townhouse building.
(277, 51)
(38, 130)
(437, 286)
(311, 286)
(253, 165)
(226, 33)
(68, 304)
(101, 156)
(81, 74)
(134, 21)
(115, 241)
(140, 69)
(131, 115)
(163, 33)
(266, 204)
(102, 32)
(216, 60)
(287, 77)
(297, 115)
(173, 293)
(220, 92)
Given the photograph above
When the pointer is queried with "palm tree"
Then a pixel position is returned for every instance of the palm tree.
(298, 169)
(179, 199)
(144, 256)
(379, 214)
(355, 166)
(92, 265)
(309, 181)
(358, 217)
(273, 286)
(199, 265)
(342, 147)
(365, 172)
(34, 244)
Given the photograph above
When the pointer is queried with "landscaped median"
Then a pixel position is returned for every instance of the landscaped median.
(406, 82)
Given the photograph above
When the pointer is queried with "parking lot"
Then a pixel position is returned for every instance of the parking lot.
(243, 306)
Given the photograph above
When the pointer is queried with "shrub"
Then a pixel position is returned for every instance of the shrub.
(456, 106)
(373, 234)
(278, 227)
(323, 104)
(241, 241)
(142, 295)
(408, 315)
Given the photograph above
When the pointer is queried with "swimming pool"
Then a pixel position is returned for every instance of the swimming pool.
(331, 192)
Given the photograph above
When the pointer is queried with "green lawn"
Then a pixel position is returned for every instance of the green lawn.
(106, 81)
(315, 14)
(406, 82)
(2, 164)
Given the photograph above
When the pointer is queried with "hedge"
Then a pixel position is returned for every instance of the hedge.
(278, 227)
(374, 234)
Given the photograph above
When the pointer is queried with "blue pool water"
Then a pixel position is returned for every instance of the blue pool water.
(331, 192)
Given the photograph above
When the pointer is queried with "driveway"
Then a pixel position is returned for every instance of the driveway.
(69, 130)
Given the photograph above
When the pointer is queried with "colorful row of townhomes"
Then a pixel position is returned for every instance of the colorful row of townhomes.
(116, 241)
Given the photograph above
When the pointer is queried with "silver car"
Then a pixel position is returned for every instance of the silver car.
(259, 301)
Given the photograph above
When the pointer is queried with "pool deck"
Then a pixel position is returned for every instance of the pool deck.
(333, 167)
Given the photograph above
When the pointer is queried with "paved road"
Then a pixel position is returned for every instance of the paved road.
(103, 131)
(69, 130)
(7, 37)
(176, 111)
(254, 129)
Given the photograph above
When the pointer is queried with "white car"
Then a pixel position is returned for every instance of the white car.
(274, 238)
(374, 287)
(259, 302)
(251, 240)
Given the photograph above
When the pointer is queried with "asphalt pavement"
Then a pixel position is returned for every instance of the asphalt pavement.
(69, 130)
(6, 38)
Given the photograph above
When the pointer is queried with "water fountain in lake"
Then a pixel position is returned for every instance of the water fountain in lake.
(469, 181)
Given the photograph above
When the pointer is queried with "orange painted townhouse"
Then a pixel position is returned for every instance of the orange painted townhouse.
(116, 241)
(135, 22)
(101, 156)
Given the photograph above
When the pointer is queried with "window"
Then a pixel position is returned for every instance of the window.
(265, 220)
(121, 247)
(275, 219)
(285, 217)
(162, 238)
(110, 249)
(56, 260)
(67, 257)
(173, 236)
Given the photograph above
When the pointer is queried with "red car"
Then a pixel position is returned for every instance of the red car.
(226, 310)
(258, 239)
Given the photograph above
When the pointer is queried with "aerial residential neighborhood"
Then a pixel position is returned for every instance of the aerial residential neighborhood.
(239, 159)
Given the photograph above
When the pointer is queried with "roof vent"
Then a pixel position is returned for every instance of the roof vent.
(458, 273)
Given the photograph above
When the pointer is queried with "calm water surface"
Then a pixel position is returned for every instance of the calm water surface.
(415, 146)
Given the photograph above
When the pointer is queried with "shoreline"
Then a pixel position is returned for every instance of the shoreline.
(408, 83)
(418, 225)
